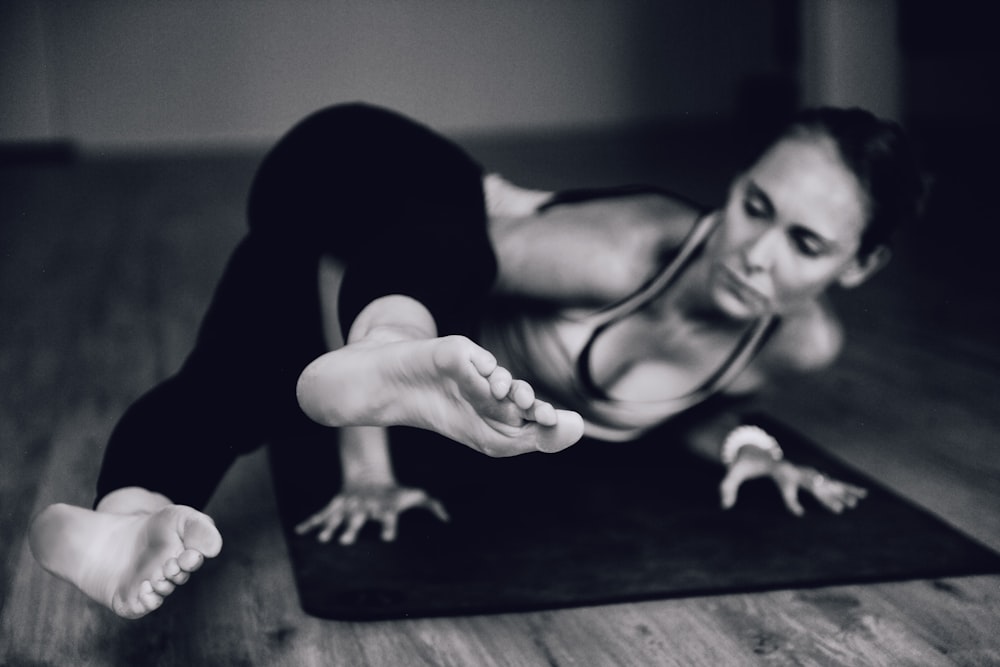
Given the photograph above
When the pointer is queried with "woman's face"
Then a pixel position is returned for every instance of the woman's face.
(790, 228)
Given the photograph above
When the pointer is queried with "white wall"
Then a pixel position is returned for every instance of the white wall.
(127, 73)
(25, 105)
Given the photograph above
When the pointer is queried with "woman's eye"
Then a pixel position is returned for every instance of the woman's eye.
(753, 208)
(807, 245)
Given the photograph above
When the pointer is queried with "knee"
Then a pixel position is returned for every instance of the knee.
(353, 119)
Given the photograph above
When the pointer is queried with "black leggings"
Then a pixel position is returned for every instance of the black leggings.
(400, 206)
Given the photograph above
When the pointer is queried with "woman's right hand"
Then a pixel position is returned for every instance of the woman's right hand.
(357, 504)
(752, 462)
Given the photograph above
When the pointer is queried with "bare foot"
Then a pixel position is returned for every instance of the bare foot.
(127, 562)
(448, 385)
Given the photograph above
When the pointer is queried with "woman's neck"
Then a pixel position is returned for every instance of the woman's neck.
(689, 299)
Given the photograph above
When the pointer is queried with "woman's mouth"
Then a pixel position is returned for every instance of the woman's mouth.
(741, 289)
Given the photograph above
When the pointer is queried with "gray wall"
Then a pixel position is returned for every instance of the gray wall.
(174, 73)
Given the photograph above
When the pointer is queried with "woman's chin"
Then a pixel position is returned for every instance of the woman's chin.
(736, 308)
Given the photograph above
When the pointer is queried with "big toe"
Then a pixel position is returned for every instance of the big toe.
(567, 431)
(198, 532)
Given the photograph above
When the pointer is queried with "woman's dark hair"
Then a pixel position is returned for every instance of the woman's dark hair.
(880, 157)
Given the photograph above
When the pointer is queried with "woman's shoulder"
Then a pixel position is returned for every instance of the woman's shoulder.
(812, 338)
(808, 340)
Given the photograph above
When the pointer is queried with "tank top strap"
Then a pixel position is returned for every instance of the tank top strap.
(750, 343)
(661, 280)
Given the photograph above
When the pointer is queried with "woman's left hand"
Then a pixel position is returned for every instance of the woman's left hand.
(753, 462)
(357, 504)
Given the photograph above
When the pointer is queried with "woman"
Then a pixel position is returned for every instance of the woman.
(378, 255)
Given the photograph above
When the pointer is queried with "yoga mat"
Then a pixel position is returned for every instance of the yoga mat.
(599, 523)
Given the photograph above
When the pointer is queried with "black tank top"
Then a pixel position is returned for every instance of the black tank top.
(750, 343)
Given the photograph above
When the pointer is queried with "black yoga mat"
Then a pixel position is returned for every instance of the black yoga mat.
(598, 523)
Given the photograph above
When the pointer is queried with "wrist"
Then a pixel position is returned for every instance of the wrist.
(749, 436)
(367, 477)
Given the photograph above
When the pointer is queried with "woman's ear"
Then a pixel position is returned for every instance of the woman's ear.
(863, 268)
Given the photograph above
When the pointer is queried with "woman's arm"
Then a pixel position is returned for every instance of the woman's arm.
(720, 434)
(370, 491)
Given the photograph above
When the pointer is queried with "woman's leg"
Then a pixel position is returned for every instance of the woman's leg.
(325, 188)
(400, 207)
(171, 448)
(403, 212)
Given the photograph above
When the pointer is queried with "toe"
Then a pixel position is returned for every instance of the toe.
(567, 431)
(500, 383)
(190, 560)
(483, 360)
(543, 413)
(198, 532)
(174, 572)
(149, 599)
(522, 394)
(163, 586)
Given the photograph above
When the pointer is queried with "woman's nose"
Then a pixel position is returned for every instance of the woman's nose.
(758, 254)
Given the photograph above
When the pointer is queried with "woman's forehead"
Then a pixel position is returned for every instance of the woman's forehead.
(808, 183)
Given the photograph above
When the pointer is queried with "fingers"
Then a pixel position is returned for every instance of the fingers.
(789, 489)
(828, 496)
(437, 509)
(334, 510)
(389, 523)
(352, 512)
(390, 518)
(354, 525)
(853, 494)
(835, 495)
(330, 528)
(328, 521)
(730, 487)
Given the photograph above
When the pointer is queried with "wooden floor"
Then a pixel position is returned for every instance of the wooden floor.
(107, 265)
